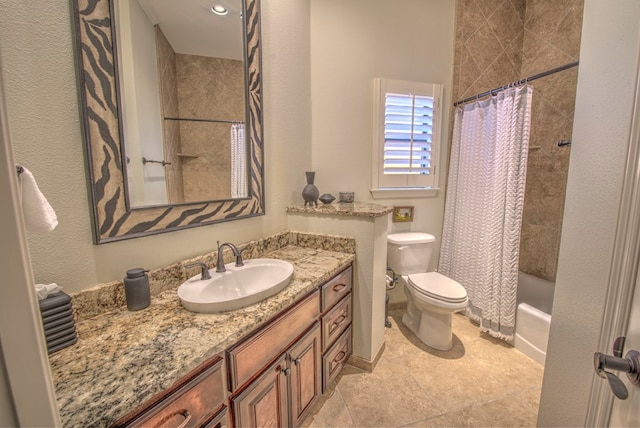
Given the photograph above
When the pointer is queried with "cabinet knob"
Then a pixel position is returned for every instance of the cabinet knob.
(286, 371)
(297, 361)
(339, 287)
(338, 322)
(181, 412)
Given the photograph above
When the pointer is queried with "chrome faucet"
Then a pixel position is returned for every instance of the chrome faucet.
(220, 264)
(204, 269)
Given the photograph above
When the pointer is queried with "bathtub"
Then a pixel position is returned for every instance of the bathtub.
(533, 316)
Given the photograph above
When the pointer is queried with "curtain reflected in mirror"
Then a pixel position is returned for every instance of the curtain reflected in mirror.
(182, 89)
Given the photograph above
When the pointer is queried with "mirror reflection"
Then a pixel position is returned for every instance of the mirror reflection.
(182, 87)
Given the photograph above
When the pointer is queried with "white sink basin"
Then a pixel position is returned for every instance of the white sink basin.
(237, 287)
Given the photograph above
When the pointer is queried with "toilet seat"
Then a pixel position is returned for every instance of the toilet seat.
(438, 287)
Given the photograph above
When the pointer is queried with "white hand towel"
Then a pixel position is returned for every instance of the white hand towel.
(38, 214)
(44, 290)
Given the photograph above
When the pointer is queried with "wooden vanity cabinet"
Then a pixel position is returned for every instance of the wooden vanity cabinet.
(278, 373)
(273, 377)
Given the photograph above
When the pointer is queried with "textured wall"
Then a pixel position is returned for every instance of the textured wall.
(498, 42)
(413, 40)
(38, 68)
(604, 112)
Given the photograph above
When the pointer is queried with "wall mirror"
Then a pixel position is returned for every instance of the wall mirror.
(153, 167)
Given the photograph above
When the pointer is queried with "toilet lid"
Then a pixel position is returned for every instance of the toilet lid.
(438, 286)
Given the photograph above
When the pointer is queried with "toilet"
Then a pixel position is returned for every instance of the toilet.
(431, 297)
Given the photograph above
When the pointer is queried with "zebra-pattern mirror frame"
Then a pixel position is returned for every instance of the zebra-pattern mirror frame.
(113, 219)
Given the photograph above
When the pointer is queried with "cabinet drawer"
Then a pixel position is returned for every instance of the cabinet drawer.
(336, 321)
(334, 359)
(191, 404)
(250, 356)
(338, 287)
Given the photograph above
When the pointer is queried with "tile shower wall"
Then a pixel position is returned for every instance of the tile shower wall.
(170, 129)
(498, 42)
(198, 87)
(208, 88)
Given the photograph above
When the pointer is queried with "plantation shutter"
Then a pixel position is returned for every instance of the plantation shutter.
(407, 133)
(408, 130)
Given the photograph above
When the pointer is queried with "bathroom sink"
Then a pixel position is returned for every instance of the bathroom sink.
(237, 287)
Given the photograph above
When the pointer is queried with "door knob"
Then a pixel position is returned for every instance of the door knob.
(630, 365)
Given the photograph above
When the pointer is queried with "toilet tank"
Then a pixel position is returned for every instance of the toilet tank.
(409, 253)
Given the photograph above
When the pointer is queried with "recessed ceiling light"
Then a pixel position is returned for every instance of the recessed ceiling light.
(218, 9)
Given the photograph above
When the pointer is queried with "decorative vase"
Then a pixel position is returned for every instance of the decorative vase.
(310, 192)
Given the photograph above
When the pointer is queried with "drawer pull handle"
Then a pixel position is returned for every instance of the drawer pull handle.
(338, 321)
(187, 418)
(183, 412)
(339, 357)
(339, 287)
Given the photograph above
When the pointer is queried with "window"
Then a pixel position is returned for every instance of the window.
(406, 138)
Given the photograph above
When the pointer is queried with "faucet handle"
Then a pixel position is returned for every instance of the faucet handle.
(238, 253)
(204, 269)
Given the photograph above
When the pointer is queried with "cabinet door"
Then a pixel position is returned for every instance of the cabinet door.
(306, 374)
(264, 402)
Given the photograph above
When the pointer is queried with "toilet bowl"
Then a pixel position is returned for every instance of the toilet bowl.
(431, 297)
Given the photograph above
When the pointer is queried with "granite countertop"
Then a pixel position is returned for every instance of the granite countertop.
(355, 209)
(123, 358)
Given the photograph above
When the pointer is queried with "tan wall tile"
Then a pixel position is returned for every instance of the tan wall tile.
(503, 41)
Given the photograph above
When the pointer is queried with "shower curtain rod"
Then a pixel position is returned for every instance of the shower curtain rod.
(517, 83)
(194, 119)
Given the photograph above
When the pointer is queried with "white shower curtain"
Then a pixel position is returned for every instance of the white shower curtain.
(483, 211)
(238, 162)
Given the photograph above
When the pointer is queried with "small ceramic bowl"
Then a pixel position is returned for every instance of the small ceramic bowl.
(346, 196)
(327, 198)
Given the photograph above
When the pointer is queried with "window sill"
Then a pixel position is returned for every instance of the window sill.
(404, 192)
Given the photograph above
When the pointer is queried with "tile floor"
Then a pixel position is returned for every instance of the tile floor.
(480, 382)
